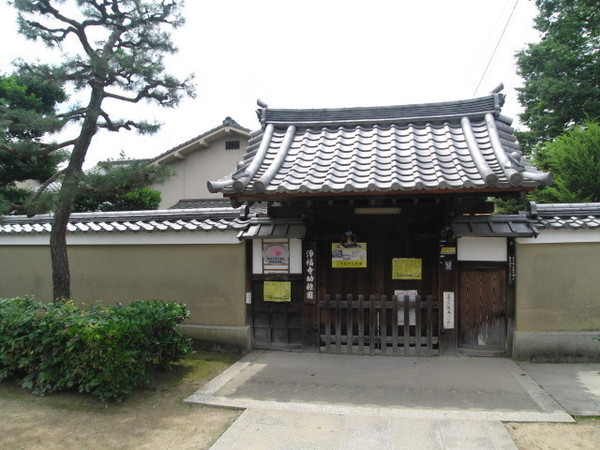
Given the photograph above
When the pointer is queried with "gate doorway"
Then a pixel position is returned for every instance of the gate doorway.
(277, 326)
(482, 305)
(369, 308)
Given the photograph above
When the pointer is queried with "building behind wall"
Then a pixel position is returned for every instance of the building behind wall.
(199, 160)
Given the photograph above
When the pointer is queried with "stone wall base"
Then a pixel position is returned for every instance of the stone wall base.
(556, 347)
(220, 337)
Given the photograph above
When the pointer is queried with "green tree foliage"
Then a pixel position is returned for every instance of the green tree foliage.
(574, 158)
(141, 199)
(120, 185)
(115, 54)
(27, 114)
(562, 71)
(509, 205)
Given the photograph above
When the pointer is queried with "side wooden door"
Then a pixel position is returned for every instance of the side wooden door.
(277, 326)
(482, 306)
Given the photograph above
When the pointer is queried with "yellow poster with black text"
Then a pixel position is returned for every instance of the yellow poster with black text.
(277, 291)
(349, 257)
(406, 269)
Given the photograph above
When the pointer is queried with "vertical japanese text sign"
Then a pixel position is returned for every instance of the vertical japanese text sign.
(448, 306)
(310, 284)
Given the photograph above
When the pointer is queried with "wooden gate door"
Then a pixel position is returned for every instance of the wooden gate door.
(277, 326)
(482, 309)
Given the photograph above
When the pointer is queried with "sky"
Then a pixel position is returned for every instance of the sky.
(315, 54)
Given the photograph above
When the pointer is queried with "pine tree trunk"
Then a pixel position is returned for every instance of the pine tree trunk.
(61, 277)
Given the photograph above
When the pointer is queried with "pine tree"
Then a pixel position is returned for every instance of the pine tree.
(120, 48)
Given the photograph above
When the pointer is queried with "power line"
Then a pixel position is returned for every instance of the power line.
(496, 47)
(489, 37)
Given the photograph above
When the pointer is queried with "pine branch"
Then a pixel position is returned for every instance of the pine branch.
(115, 126)
(74, 114)
(142, 127)
(55, 34)
(45, 185)
(45, 7)
(54, 147)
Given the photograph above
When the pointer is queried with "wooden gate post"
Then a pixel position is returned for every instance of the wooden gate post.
(448, 282)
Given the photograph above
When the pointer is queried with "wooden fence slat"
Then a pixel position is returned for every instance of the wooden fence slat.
(406, 343)
(361, 325)
(429, 325)
(338, 324)
(395, 325)
(383, 325)
(372, 324)
(327, 324)
(349, 333)
(418, 325)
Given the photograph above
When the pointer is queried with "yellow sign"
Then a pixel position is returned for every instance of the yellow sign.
(278, 291)
(448, 251)
(349, 257)
(406, 269)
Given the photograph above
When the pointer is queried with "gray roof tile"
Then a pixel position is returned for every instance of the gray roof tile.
(510, 225)
(199, 203)
(203, 219)
(263, 228)
(443, 146)
(571, 216)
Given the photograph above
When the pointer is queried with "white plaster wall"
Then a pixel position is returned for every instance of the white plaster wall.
(482, 249)
(200, 166)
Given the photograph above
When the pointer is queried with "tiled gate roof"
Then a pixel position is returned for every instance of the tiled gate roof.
(412, 148)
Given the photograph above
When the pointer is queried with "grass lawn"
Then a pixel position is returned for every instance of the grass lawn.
(155, 417)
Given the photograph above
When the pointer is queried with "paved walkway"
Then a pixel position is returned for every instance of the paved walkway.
(314, 401)
(575, 386)
(274, 430)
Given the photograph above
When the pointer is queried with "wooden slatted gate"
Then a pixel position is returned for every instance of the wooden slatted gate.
(379, 326)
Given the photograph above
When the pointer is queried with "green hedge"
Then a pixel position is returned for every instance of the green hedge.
(105, 351)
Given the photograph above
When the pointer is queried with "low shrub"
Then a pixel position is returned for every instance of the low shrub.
(105, 351)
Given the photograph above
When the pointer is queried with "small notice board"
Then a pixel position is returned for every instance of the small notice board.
(406, 269)
(277, 291)
(354, 257)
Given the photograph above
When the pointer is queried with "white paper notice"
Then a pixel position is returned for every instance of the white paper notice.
(448, 310)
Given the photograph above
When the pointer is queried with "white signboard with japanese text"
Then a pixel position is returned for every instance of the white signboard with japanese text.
(448, 304)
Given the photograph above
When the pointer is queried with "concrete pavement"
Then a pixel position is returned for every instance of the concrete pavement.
(308, 400)
(274, 430)
(575, 386)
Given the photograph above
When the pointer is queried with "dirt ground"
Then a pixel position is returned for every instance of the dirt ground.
(157, 417)
(154, 418)
(582, 435)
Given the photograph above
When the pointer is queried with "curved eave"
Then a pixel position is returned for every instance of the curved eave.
(245, 196)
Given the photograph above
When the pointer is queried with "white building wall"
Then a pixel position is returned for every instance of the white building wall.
(197, 168)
